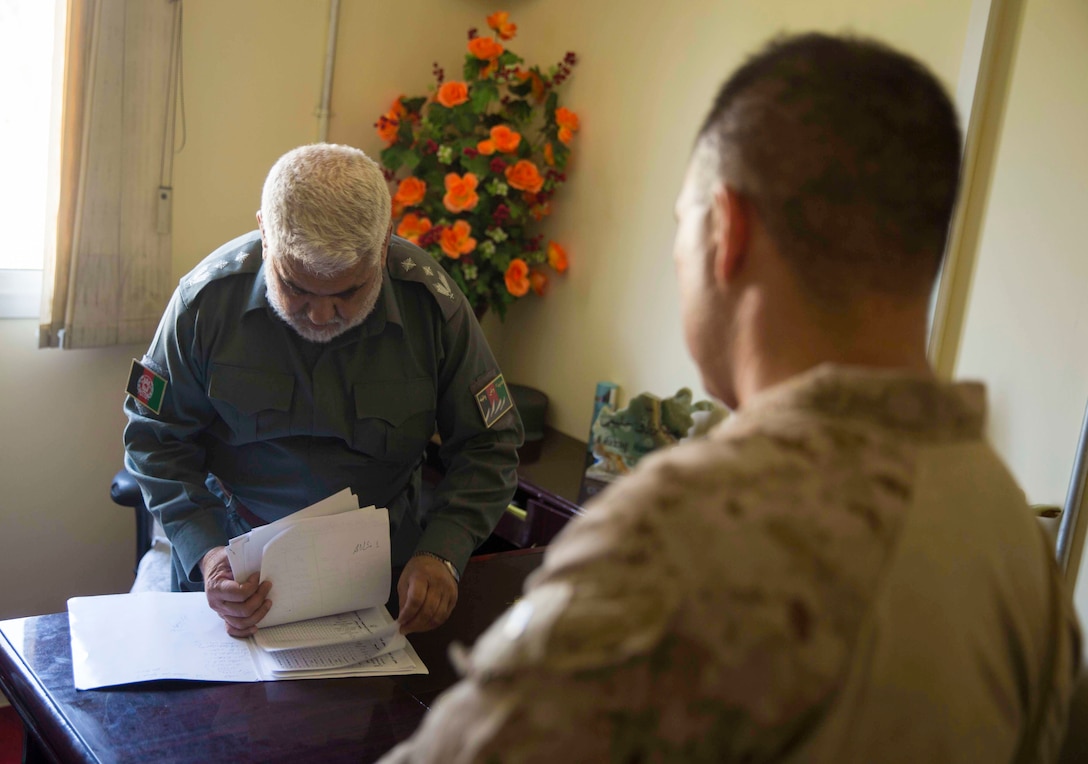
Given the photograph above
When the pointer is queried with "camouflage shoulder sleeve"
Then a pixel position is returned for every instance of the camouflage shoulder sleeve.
(567, 671)
(653, 632)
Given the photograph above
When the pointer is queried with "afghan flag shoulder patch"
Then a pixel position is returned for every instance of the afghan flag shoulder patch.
(146, 386)
(494, 400)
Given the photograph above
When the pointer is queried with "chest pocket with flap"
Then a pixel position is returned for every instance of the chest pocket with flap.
(394, 419)
(252, 402)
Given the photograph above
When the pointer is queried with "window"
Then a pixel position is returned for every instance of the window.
(27, 35)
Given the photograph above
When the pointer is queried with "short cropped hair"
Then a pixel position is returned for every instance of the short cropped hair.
(850, 153)
(326, 207)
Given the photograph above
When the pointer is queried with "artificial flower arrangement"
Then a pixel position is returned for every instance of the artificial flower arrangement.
(475, 164)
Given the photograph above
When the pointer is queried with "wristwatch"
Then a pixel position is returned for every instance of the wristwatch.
(444, 561)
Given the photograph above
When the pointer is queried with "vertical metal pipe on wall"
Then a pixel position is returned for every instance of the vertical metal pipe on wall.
(1068, 531)
(330, 60)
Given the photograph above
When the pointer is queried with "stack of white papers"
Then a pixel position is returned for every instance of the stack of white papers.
(330, 571)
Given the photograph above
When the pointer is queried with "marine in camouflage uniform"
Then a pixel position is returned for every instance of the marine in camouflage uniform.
(777, 592)
(843, 571)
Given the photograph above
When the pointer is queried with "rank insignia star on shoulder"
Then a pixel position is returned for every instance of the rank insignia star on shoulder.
(493, 401)
(146, 386)
(408, 265)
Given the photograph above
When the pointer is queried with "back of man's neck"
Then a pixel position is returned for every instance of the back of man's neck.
(783, 344)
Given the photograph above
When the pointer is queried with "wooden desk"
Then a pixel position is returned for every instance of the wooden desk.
(328, 720)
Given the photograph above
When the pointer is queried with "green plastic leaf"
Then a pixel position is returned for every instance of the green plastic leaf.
(481, 94)
(479, 166)
(472, 67)
(393, 157)
(520, 110)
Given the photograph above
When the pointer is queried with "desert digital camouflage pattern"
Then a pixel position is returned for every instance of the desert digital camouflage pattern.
(842, 572)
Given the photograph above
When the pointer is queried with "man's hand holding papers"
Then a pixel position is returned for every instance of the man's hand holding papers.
(241, 604)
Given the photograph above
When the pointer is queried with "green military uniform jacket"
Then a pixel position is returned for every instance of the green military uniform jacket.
(253, 413)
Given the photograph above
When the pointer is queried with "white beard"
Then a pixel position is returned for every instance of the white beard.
(301, 323)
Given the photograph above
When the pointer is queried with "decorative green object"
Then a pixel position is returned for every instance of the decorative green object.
(622, 437)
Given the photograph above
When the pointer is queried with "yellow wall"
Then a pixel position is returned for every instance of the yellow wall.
(61, 419)
(647, 75)
(252, 73)
(252, 83)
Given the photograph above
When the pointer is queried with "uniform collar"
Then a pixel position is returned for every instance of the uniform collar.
(916, 403)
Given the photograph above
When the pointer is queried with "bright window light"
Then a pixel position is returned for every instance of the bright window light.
(27, 29)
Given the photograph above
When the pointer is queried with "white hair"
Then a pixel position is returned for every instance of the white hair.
(326, 207)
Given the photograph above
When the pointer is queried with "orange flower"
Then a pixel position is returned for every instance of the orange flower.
(564, 117)
(389, 123)
(538, 281)
(524, 176)
(568, 123)
(500, 22)
(388, 127)
(517, 277)
(456, 239)
(410, 192)
(549, 154)
(557, 257)
(505, 139)
(460, 192)
(485, 48)
(452, 94)
(486, 147)
(412, 227)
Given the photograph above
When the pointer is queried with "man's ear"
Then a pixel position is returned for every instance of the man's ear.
(260, 227)
(732, 225)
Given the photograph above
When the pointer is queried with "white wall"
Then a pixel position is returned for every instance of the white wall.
(1026, 327)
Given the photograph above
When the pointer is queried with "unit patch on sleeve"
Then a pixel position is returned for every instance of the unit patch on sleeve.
(494, 400)
(146, 386)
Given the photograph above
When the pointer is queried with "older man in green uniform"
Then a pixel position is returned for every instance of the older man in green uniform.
(319, 353)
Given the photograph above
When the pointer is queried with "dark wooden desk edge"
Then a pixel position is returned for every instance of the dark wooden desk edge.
(43, 721)
(50, 736)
